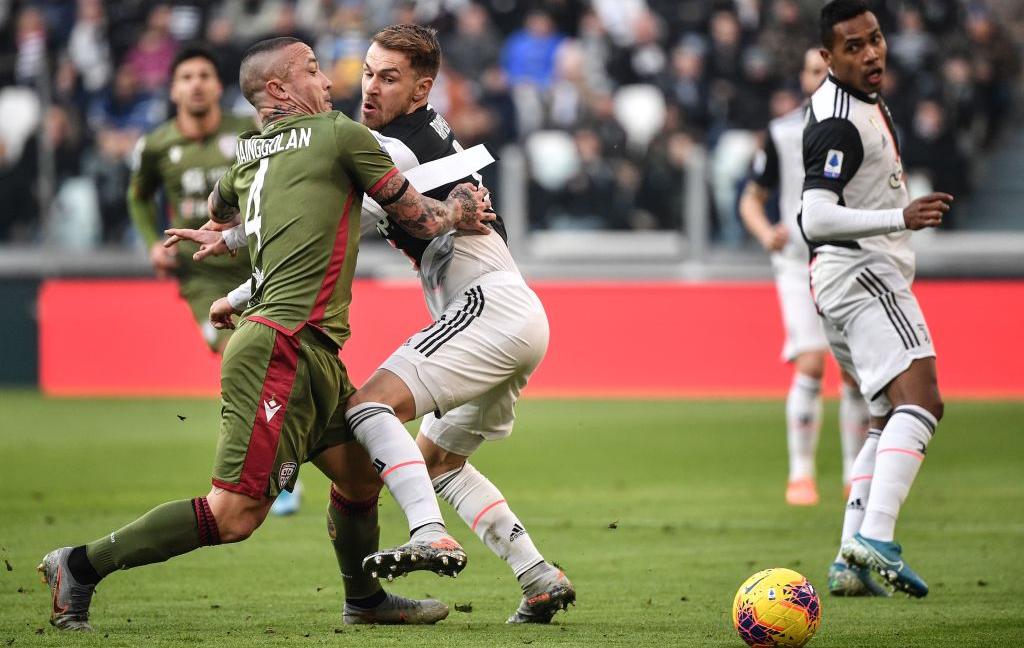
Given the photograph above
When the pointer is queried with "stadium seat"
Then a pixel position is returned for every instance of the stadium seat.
(640, 109)
(552, 157)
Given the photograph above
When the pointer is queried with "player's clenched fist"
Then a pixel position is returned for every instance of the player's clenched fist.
(926, 211)
(220, 314)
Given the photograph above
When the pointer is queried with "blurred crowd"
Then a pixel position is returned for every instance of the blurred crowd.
(609, 99)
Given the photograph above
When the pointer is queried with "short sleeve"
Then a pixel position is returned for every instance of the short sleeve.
(765, 167)
(361, 155)
(833, 153)
(226, 186)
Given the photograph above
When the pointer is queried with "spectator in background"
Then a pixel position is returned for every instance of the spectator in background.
(30, 61)
(88, 49)
(617, 18)
(957, 93)
(474, 45)
(220, 34)
(118, 119)
(995, 62)
(151, 57)
(529, 54)
(600, 118)
(569, 95)
(931, 146)
(644, 59)
(659, 203)
(497, 100)
(685, 85)
(593, 41)
(912, 48)
(340, 50)
(724, 61)
(590, 196)
(753, 95)
(732, 142)
(251, 19)
(784, 38)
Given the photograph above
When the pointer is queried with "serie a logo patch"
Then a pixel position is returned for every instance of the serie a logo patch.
(833, 164)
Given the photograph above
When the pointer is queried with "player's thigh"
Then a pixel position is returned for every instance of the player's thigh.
(800, 318)
(481, 342)
(885, 333)
(488, 417)
(278, 393)
(331, 390)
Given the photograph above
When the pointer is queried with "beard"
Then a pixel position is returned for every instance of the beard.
(198, 111)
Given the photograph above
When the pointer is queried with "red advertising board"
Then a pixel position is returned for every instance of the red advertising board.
(623, 339)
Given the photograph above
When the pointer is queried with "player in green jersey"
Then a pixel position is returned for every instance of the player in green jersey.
(298, 185)
(182, 159)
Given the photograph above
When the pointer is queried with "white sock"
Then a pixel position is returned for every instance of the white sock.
(397, 458)
(901, 450)
(860, 488)
(482, 506)
(803, 422)
(853, 426)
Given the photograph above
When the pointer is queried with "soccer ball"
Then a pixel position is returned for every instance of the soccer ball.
(776, 607)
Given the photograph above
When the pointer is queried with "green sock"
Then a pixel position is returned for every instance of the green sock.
(169, 530)
(355, 534)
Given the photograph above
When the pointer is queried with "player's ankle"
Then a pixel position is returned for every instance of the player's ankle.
(428, 530)
(531, 575)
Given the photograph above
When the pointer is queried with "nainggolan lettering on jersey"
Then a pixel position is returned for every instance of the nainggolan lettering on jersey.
(247, 150)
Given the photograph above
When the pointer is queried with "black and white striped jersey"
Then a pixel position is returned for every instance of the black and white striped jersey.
(450, 262)
(850, 148)
(780, 166)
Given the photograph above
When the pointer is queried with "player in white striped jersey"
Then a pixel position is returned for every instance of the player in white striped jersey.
(464, 372)
(779, 166)
(857, 218)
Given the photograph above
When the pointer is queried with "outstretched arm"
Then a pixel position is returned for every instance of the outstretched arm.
(214, 239)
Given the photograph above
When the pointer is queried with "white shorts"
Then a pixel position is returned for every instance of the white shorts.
(466, 370)
(873, 321)
(800, 317)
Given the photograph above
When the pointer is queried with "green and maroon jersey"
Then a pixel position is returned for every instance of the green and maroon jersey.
(299, 186)
(185, 171)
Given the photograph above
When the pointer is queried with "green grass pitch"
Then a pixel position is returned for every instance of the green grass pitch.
(656, 510)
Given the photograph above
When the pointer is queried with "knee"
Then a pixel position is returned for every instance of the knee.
(811, 364)
(236, 516)
(358, 398)
(440, 463)
(237, 527)
(932, 401)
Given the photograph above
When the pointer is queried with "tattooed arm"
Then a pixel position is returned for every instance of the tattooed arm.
(426, 218)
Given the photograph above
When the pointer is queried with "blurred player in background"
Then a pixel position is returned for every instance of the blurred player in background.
(464, 372)
(182, 160)
(857, 218)
(779, 167)
(300, 182)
